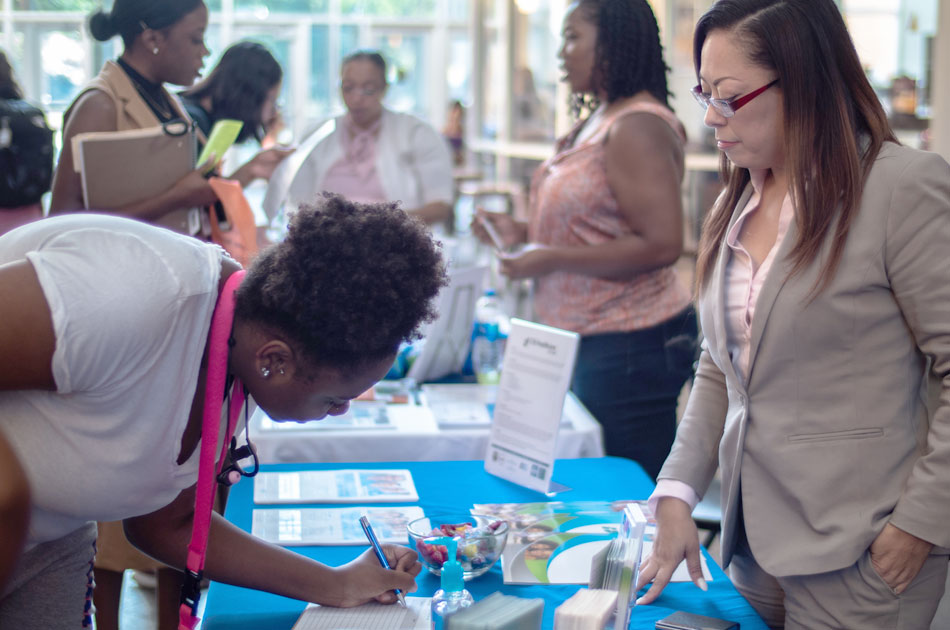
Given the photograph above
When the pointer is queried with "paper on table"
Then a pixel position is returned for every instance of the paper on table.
(377, 616)
(335, 486)
(332, 526)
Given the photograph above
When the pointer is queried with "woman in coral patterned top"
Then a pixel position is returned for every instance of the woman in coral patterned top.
(606, 228)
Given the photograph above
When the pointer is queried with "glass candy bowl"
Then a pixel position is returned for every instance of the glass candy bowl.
(481, 539)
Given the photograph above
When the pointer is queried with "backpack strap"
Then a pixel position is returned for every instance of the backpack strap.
(216, 382)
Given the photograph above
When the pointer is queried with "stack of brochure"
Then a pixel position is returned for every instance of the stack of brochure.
(617, 568)
(587, 609)
(499, 612)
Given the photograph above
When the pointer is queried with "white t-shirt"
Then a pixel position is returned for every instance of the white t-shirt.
(131, 307)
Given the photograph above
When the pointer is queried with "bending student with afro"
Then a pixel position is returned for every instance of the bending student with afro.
(106, 322)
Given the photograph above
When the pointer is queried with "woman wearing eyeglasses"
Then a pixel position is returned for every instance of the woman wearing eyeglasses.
(824, 285)
(371, 153)
(606, 227)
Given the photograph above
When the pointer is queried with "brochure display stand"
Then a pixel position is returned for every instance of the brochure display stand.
(538, 364)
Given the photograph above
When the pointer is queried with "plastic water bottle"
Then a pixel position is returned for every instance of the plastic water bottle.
(488, 342)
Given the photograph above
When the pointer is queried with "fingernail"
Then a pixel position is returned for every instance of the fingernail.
(639, 601)
(702, 584)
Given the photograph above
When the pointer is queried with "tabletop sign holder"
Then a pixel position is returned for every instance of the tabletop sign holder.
(535, 377)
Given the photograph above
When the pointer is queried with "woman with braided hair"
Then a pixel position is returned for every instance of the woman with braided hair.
(606, 225)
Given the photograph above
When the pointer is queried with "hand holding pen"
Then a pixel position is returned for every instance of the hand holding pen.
(381, 556)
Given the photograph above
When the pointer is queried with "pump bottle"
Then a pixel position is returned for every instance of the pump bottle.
(452, 597)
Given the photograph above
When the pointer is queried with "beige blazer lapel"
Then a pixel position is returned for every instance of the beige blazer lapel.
(774, 282)
(135, 111)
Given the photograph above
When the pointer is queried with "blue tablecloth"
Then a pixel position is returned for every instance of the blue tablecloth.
(455, 486)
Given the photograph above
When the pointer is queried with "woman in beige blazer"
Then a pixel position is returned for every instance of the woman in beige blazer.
(824, 286)
(163, 43)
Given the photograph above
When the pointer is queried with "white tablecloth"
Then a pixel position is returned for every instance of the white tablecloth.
(412, 434)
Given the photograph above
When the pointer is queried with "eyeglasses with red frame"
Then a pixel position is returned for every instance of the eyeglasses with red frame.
(727, 108)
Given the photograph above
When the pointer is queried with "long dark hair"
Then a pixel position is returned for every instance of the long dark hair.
(238, 86)
(629, 56)
(8, 85)
(129, 18)
(834, 123)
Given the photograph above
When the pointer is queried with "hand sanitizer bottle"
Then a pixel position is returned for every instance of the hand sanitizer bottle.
(452, 597)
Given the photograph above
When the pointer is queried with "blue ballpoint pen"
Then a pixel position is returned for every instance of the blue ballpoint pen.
(368, 530)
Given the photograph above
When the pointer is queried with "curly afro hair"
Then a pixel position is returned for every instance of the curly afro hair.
(629, 56)
(349, 283)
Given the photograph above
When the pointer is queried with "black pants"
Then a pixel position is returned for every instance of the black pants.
(631, 381)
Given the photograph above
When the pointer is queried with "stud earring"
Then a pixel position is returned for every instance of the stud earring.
(281, 370)
(155, 50)
(265, 372)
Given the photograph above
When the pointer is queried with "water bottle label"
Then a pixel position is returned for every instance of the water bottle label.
(488, 330)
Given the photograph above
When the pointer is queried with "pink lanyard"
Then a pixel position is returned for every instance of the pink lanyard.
(215, 385)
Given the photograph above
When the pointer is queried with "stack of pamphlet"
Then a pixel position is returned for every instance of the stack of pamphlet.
(587, 609)
(618, 566)
(499, 612)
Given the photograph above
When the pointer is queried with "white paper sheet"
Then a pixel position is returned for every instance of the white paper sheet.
(416, 616)
(332, 526)
(335, 486)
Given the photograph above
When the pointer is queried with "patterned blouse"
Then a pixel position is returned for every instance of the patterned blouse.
(571, 205)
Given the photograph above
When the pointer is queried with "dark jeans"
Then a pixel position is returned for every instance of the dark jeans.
(631, 381)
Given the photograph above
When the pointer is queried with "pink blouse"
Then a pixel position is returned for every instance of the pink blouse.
(572, 205)
(354, 175)
(743, 284)
(744, 281)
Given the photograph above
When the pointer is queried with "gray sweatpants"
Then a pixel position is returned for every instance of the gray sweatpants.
(51, 588)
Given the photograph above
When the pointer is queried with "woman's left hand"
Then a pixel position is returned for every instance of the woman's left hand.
(365, 580)
(531, 262)
(898, 556)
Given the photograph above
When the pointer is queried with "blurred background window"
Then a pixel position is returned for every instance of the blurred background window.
(498, 58)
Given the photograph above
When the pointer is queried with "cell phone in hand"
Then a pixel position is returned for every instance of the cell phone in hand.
(681, 620)
(493, 234)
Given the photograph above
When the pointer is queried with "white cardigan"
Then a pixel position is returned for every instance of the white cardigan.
(412, 161)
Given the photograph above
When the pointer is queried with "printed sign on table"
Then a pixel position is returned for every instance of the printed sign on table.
(536, 374)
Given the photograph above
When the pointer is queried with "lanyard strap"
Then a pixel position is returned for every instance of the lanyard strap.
(215, 384)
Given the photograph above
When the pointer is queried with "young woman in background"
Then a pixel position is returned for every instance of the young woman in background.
(606, 227)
